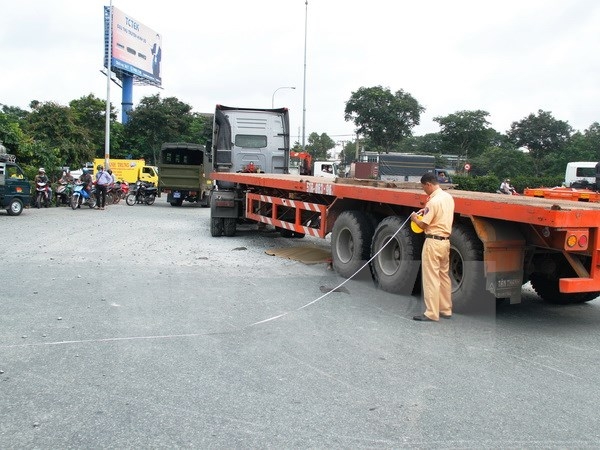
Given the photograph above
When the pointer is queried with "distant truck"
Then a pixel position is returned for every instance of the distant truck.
(130, 170)
(184, 173)
(15, 189)
(581, 174)
(301, 164)
(579, 184)
(393, 167)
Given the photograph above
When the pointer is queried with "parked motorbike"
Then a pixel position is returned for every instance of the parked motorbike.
(142, 192)
(122, 187)
(42, 194)
(115, 192)
(64, 192)
(81, 197)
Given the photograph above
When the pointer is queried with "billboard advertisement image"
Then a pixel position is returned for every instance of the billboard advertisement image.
(136, 48)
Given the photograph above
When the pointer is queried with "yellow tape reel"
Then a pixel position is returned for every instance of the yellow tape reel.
(415, 227)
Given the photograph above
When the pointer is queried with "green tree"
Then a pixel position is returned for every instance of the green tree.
(501, 162)
(542, 135)
(465, 133)
(156, 121)
(53, 127)
(430, 143)
(318, 145)
(385, 118)
(89, 112)
(11, 134)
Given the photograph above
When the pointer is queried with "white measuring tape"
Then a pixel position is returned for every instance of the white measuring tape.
(335, 288)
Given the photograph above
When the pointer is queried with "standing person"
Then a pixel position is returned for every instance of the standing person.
(436, 221)
(103, 180)
(112, 177)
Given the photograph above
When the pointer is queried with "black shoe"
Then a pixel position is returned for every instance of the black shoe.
(423, 318)
(446, 316)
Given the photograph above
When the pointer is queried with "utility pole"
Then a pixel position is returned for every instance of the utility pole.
(304, 87)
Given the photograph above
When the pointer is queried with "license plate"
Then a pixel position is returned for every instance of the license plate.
(176, 195)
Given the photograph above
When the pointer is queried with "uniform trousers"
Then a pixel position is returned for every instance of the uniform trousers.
(437, 289)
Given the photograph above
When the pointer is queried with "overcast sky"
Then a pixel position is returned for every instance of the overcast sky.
(509, 58)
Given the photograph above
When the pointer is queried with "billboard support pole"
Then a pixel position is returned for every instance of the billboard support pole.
(108, 80)
(127, 98)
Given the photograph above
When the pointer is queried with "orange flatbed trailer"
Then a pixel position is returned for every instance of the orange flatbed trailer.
(563, 193)
(507, 240)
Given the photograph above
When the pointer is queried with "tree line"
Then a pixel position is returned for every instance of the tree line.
(538, 145)
(52, 135)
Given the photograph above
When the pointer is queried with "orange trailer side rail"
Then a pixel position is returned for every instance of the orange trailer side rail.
(570, 222)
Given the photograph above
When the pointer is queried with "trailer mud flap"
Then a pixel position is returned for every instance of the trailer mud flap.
(504, 254)
(223, 204)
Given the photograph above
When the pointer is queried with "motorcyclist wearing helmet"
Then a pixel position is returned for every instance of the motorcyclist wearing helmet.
(86, 179)
(41, 177)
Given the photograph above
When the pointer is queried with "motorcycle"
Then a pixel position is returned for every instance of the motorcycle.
(122, 187)
(64, 192)
(42, 194)
(82, 197)
(143, 192)
(116, 192)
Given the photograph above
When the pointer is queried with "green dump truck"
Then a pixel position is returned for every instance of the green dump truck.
(184, 170)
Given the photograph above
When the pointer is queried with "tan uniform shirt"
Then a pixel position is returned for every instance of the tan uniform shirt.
(439, 213)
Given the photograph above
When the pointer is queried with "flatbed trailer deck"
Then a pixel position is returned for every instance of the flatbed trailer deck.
(563, 193)
(498, 242)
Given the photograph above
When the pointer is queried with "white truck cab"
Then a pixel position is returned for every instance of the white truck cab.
(580, 174)
(326, 169)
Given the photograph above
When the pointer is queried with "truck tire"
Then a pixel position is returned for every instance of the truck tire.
(396, 267)
(229, 226)
(15, 207)
(545, 284)
(177, 202)
(351, 242)
(467, 272)
(216, 226)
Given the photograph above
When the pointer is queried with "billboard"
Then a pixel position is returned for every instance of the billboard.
(136, 49)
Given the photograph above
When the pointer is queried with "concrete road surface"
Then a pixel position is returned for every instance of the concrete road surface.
(133, 328)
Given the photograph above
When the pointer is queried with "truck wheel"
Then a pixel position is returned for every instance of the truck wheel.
(396, 267)
(351, 242)
(546, 283)
(178, 202)
(229, 226)
(467, 273)
(216, 226)
(15, 207)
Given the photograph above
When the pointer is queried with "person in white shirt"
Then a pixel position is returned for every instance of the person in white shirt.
(103, 180)
(506, 187)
